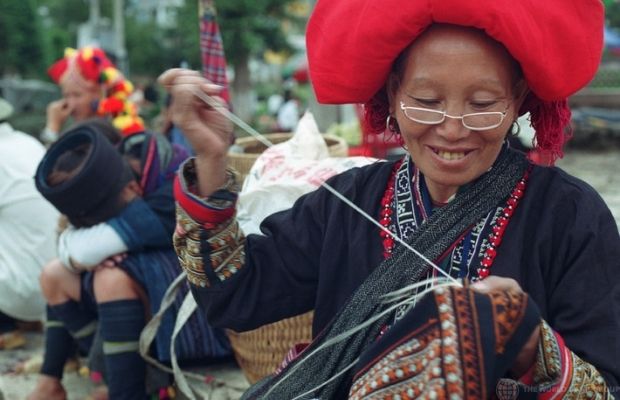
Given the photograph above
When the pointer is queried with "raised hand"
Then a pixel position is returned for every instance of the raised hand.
(57, 113)
(208, 130)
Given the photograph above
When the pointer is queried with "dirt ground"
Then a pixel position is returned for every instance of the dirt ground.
(598, 168)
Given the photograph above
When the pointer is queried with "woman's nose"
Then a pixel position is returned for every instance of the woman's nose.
(452, 129)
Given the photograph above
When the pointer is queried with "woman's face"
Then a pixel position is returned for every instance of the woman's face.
(459, 71)
(80, 98)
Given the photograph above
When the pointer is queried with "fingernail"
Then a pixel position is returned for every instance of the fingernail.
(480, 285)
(213, 86)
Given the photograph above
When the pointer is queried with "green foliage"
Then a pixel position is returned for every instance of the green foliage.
(60, 21)
(152, 49)
(250, 27)
(20, 40)
(612, 14)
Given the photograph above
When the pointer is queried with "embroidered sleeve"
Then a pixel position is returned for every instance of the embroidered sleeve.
(561, 374)
(207, 238)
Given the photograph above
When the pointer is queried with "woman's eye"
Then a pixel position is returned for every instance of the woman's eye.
(428, 102)
(483, 105)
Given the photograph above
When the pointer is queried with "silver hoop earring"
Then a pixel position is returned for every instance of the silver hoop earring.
(513, 132)
(391, 124)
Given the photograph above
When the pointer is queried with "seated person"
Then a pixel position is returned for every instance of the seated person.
(88, 180)
(27, 234)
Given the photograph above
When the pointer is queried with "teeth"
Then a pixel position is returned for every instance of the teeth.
(446, 155)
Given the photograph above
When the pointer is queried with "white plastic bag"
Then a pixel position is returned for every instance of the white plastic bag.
(286, 171)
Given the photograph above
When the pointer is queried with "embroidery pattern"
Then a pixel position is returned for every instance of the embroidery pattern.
(508, 310)
(560, 373)
(409, 371)
(470, 345)
(222, 249)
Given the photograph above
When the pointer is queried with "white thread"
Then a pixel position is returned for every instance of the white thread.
(258, 136)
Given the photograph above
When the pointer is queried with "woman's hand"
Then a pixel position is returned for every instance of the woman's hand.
(527, 356)
(208, 131)
(57, 113)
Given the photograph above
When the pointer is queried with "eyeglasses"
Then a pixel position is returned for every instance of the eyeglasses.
(481, 121)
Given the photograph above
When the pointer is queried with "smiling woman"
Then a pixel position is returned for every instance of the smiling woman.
(477, 87)
(515, 243)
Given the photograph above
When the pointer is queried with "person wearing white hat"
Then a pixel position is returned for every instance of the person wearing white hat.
(27, 231)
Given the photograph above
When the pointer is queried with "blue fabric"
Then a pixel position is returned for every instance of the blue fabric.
(140, 227)
(177, 137)
(121, 322)
(59, 345)
(155, 271)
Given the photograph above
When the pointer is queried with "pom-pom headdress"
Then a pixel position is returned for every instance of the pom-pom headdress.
(90, 66)
(352, 45)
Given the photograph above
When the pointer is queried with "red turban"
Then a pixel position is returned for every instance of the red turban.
(353, 43)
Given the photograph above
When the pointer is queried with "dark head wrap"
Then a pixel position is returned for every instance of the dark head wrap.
(92, 194)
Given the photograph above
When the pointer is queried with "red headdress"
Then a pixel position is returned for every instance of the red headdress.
(91, 65)
(352, 45)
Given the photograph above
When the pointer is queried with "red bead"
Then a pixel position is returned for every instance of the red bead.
(495, 240)
(483, 272)
(508, 212)
(491, 253)
(512, 202)
(486, 262)
(521, 185)
(502, 221)
(517, 193)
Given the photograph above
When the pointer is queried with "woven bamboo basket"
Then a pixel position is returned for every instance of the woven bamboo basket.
(252, 149)
(260, 351)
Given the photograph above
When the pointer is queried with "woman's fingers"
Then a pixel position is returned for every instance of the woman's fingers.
(496, 283)
(169, 76)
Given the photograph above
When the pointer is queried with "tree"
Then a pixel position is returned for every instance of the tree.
(60, 22)
(152, 49)
(612, 13)
(249, 28)
(20, 38)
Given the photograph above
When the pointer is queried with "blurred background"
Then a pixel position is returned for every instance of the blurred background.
(265, 53)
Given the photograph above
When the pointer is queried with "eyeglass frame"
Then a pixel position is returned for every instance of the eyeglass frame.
(445, 114)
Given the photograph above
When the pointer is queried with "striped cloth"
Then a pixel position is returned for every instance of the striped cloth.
(155, 271)
(212, 48)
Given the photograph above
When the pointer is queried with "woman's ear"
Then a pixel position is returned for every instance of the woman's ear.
(391, 88)
(521, 90)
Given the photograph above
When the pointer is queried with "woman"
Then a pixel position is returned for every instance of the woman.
(451, 77)
(91, 87)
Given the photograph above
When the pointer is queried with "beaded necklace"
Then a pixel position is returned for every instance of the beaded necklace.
(389, 210)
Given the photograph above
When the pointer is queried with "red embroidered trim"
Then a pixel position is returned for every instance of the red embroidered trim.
(198, 211)
(497, 230)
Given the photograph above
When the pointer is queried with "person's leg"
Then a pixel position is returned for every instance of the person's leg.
(122, 318)
(66, 320)
(10, 335)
